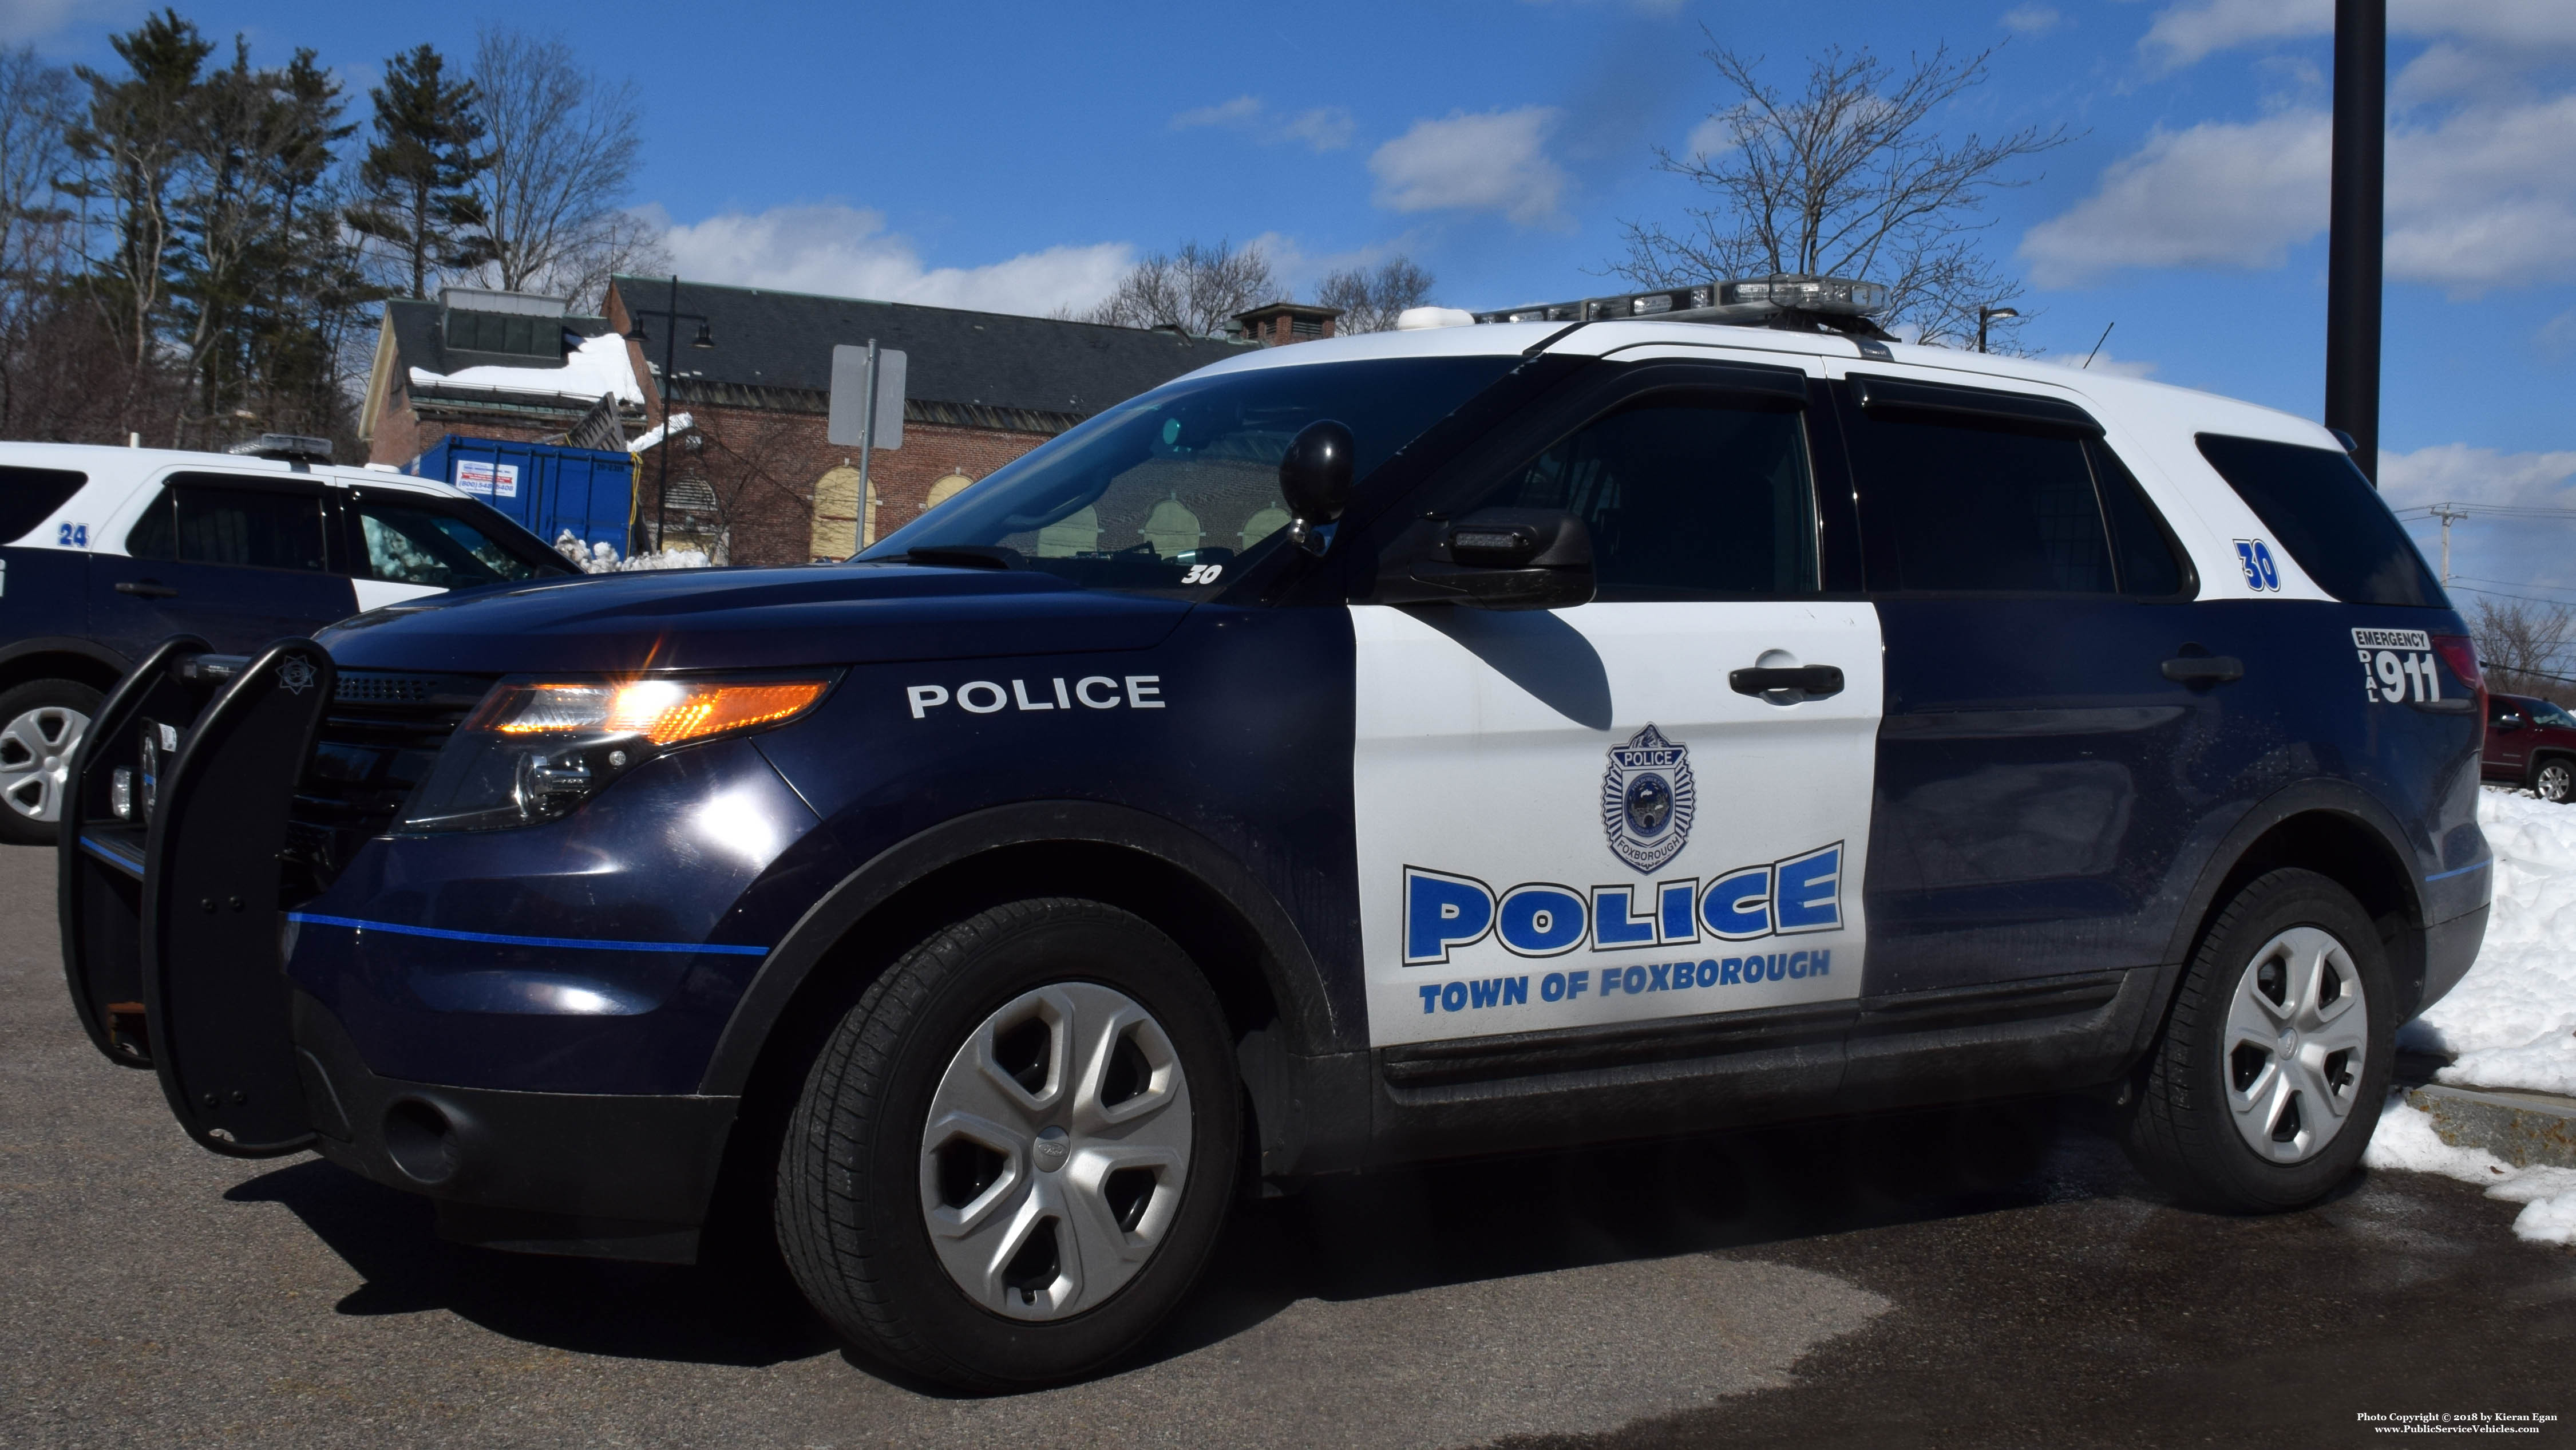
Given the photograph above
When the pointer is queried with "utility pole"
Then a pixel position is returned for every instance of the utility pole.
(2448, 513)
(2359, 217)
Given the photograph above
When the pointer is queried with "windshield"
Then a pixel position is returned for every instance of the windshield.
(1170, 490)
(2549, 714)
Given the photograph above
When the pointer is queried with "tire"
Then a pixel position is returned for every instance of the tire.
(965, 1195)
(2215, 1083)
(2554, 780)
(41, 724)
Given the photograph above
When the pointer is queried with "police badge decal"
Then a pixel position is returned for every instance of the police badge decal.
(1647, 799)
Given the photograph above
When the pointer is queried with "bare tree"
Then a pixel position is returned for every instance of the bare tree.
(35, 116)
(2524, 645)
(1372, 297)
(1197, 289)
(1848, 177)
(564, 146)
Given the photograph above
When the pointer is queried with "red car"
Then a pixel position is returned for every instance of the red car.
(2532, 743)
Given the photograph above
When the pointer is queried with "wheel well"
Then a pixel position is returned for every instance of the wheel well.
(2351, 853)
(57, 665)
(1173, 900)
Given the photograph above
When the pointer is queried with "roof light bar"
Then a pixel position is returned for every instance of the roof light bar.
(1755, 301)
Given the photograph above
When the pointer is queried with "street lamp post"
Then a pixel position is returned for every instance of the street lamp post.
(1989, 314)
(705, 340)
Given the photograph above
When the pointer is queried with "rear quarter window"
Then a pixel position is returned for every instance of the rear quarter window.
(2319, 507)
(29, 496)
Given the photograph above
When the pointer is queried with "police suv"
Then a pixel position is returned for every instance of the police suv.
(104, 552)
(1593, 723)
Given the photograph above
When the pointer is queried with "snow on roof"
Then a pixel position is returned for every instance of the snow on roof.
(599, 365)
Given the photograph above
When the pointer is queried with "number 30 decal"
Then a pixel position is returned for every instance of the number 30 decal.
(2261, 573)
(1202, 573)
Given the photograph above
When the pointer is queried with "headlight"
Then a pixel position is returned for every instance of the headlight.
(535, 748)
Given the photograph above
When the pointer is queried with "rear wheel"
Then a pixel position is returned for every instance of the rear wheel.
(2266, 1083)
(2554, 780)
(1011, 1158)
(41, 725)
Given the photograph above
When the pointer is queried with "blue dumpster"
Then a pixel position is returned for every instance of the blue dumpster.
(547, 488)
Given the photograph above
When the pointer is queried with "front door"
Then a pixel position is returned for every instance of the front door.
(239, 560)
(1576, 817)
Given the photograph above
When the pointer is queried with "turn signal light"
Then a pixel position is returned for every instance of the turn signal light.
(662, 711)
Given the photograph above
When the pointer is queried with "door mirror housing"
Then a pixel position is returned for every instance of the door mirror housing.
(1505, 558)
(1315, 481)
(2510, 720)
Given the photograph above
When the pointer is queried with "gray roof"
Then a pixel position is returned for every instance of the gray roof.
(419, 342)
(992, 360)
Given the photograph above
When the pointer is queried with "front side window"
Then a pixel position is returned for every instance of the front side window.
(408, 545)
(1687, 495)
(1174, 489)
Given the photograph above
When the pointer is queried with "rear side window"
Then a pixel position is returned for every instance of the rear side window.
(201, 523)
(1969, 508)
(29, 496)
(2319, 507)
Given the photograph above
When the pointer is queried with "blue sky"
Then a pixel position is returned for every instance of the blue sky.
(1016, 157)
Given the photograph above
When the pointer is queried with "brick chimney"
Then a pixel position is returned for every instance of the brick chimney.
(1281, 323)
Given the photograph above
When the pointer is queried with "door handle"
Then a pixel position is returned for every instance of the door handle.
(2204, 669)
(146, 589)
(1813, 681)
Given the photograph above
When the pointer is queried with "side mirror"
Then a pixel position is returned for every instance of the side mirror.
(2510, 720)
(1505, 558)
(1315, 481)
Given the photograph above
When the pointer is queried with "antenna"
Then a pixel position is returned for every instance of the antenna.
(2097, 342)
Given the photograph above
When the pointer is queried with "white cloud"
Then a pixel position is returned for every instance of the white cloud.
(2481, 198)
(1494, 161)
(1230, 113)
(844, 251)
(22, 20)
(2032, 19)
(1325, 128)
(2490, 553)
(2185, 33)
(1712, 137)
(2220, 194)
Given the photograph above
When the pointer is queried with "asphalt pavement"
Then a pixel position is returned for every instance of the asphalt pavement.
(1996, 1277)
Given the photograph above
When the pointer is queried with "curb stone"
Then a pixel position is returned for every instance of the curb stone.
(2521, 1128)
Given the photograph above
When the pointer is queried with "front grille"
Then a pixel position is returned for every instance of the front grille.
(379, 740)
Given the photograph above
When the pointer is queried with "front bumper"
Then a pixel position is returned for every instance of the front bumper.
(620, 1176)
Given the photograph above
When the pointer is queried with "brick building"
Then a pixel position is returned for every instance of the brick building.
(752, 477)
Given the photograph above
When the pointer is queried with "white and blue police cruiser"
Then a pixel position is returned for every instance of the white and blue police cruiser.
(1592, 723)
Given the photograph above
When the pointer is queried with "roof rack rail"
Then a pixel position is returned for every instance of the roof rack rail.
(292, 447)
(1786, 301)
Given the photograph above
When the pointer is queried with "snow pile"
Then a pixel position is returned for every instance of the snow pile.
(2512, 1021)
(600, 365)
(602, 558)
(2406, 1140)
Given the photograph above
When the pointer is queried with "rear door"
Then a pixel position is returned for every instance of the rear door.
(2041, 768)
(1575, 818)
(238, 559)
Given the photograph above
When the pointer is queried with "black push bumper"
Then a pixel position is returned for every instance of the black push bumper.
(604, 1176)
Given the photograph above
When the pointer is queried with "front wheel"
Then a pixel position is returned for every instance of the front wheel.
(2264, 1087)
(1012, 1157)
(2554, 780)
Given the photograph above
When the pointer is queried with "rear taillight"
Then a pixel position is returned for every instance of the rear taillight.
(2461, 654)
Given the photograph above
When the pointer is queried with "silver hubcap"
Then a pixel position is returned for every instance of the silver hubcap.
(1054, 1155)
(2296, 1033)
(36, 760)
(2556, 781)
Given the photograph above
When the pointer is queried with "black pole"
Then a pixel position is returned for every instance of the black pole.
(670, 336)
(2359, 218)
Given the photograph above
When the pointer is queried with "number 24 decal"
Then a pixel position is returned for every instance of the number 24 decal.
(1202, 573)
(2260, 572)
(72, 536)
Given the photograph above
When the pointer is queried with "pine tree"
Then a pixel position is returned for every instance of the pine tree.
(420, 168)
(131, 148)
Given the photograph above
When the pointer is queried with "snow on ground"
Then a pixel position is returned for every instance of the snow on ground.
(2406, 1140)
(2511, 1023)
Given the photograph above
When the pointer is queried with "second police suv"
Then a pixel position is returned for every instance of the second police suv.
(1591, 724)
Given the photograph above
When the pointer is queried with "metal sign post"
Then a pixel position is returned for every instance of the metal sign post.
(866, 407)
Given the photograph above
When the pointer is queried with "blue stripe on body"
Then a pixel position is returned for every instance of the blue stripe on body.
(2463, 871)
(498, 939)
